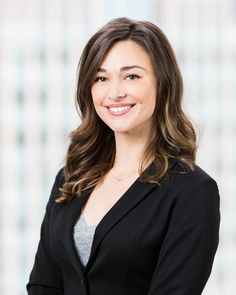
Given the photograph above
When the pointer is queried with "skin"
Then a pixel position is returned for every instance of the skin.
(126, 76)
(119, 83)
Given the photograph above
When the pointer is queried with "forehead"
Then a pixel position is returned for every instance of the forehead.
(126, 52)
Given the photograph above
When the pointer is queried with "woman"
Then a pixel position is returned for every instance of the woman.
(131, 212)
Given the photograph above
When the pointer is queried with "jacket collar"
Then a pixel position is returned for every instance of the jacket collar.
(135, 193)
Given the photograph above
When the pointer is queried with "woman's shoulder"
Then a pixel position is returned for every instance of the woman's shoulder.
(192, 182)
(196, 174)
(58, 183)
(60, 177)
(195, 193)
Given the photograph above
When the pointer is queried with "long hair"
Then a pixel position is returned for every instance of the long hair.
(91, 152)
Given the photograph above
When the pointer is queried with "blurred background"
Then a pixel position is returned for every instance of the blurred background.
(40, 45)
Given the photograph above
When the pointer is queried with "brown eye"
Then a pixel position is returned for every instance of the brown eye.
(100, 79)
(132, 77)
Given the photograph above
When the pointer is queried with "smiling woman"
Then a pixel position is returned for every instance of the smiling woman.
(125, 87)
(130, 212)
(104, 70)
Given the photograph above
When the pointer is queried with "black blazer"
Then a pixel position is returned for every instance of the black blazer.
(155, 240)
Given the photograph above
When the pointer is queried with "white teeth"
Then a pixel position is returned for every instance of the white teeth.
(119, 109)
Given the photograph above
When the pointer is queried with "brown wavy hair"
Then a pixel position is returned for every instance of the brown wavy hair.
(91, 152)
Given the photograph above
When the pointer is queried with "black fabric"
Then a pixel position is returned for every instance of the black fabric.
(156, 240)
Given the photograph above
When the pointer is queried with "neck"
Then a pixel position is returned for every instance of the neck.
(129, 151)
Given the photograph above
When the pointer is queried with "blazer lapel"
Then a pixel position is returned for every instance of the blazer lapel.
(136, 192)
(71, 212)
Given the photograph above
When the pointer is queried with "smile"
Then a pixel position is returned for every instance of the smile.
(119, 110)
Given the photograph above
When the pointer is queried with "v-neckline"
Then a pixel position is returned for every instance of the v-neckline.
(131, 197)
(113, 206)
(84, 220)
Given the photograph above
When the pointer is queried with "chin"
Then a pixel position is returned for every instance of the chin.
(120, 129)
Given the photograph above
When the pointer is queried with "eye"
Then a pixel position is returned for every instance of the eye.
(100, 79)
(132, 77)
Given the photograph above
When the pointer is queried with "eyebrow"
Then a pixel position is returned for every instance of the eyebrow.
(125, 68)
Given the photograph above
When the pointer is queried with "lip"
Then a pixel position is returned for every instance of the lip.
(113, 109)
(116, 105)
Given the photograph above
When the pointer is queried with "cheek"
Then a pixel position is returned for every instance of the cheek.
(152, 95)
(147, 96)
(98, 94)
(148, 102)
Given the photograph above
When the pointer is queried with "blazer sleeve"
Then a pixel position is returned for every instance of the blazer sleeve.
(46, 276)
(186, 257)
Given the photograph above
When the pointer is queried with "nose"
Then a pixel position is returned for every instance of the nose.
(116, 91)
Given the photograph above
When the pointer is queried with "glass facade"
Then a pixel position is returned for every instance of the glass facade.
(40, 45)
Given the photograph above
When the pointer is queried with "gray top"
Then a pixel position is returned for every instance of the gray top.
(83, 238)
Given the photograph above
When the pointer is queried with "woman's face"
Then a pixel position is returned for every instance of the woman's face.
(125, 88)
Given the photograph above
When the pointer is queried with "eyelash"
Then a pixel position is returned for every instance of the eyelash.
(103, 79)
(134, 76)
(100, 79)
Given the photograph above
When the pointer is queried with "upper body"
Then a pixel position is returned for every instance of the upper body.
(130, 168)
(154, 240)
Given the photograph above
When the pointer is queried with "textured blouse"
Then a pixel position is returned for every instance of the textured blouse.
(83, 238)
